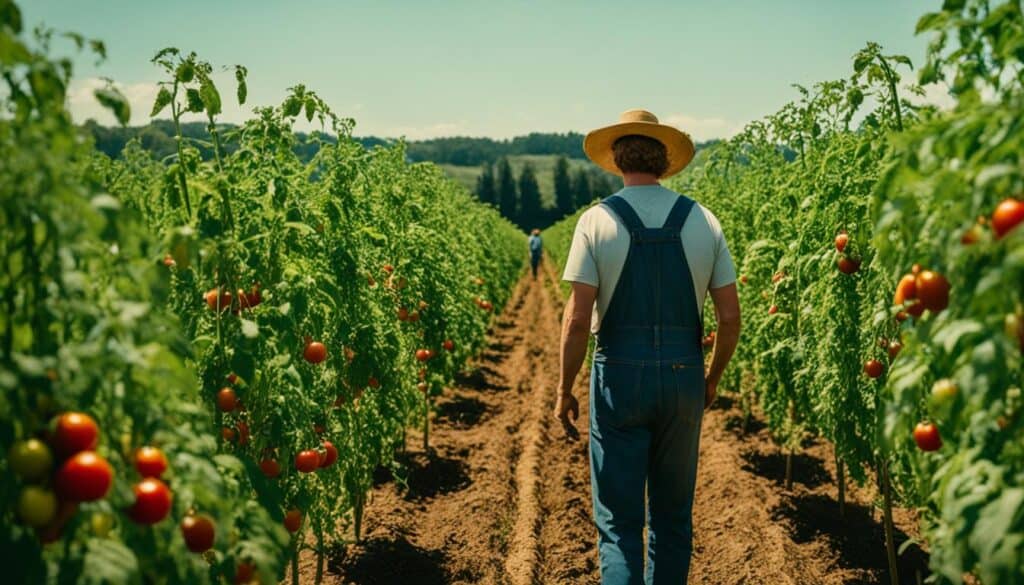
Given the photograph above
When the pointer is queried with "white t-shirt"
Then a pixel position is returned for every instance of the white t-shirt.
(601, 242)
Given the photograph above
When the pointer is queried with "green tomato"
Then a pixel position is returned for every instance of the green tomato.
(37, 506)
(30, 459)
(101, 523)
(944, 390)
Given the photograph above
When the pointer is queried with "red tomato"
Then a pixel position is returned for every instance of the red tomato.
(243, 433)
(422, 355)
(169, 261)
(373, 382)
(848, 265)
(198, 532)
(916, 308)
(227, 433)
(388, 268)
(270, 468)
(150, 461)
(971, 235)
(873, 368)
(244, 573)
(232, 378)
(487, 306)
(905, 290)
(215, 299)
(926, 435)
(152, 501)
(894, 349)
(841, 240)
(773, 309)
(84, 477)
(315, 352)
(403, 314)
(1008, 215)
(330, 454)
(293, 520)
(254, 297)
(226, 400)
(307, 461)
(901, 316)
(76, 431)
(933, 290)
(448, 345)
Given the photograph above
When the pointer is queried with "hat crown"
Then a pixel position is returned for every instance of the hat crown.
(637, 116)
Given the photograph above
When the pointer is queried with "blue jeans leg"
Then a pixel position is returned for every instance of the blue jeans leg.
(673, 475)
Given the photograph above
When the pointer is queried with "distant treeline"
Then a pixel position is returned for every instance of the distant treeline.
(158, 138)
(519, 199)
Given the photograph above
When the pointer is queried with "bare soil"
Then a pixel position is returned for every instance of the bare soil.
(503, 495)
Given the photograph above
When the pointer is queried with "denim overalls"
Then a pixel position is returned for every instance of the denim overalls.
(646, 405)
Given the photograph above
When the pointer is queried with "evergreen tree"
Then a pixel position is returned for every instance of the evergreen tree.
(485, 190)
(506, 190)
(581, 188)
(601, 185)
(564, 204)
(530, 212)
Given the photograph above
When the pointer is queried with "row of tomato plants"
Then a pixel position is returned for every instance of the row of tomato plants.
(205, 362)
(882, 280)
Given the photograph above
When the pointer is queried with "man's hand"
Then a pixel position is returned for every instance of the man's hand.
(710, 392)
(567, 406)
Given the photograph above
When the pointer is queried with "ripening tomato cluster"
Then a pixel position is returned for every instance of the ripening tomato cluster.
(847, 264)
(49, 500)
(220, 299)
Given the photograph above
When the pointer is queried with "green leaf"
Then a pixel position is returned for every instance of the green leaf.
(243, 90)
(299, 226)
(211, 97)
(930, 21)
(195, 101)
(950, 335)
(310, 109)
(163, 98)
(109, 561)
(112, 99)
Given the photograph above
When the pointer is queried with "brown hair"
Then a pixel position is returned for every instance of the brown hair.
(640, 154)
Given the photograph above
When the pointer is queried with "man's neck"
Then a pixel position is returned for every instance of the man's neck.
(639, 179)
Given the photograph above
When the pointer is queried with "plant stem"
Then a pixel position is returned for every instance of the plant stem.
(890, 544)
(841, 480)
(295, 563)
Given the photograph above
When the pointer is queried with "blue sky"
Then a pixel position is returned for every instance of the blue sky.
(425, 68)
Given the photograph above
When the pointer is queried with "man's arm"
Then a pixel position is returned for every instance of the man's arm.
(727, 314)
(575, 338)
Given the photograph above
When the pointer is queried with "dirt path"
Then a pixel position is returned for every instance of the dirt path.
(504, 497)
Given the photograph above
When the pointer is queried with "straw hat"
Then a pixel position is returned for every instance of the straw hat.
(598, 144)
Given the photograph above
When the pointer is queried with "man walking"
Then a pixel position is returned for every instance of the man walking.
(641, 264)
(535, 250)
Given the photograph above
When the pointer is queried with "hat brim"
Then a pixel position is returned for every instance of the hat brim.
(598, 145)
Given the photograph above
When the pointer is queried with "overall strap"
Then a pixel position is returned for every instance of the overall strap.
(626, 213)
(677, 217)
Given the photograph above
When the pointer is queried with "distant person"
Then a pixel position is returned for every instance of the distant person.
(641, 264)
(536, 247)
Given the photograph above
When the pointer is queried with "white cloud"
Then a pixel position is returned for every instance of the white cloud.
(703, 128)
(83, 105)
(935, 94)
